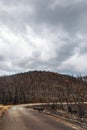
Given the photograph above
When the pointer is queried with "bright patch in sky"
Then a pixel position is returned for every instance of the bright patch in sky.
(43, 35)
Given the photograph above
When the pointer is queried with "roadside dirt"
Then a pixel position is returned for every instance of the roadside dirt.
(3, 109)
(66, 120)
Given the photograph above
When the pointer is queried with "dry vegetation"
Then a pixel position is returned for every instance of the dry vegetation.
(3, 109)
(64, 115)
(38, 86)
(41, 87)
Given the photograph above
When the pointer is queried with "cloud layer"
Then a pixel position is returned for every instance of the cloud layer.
(43, 35)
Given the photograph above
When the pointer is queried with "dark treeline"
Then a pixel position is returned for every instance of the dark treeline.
(40, 86)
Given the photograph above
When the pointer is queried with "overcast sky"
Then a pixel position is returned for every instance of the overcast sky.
(43, 35)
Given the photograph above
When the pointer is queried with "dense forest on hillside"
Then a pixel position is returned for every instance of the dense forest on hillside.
(41, 86)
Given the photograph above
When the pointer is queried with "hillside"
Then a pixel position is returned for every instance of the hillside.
(41, 86)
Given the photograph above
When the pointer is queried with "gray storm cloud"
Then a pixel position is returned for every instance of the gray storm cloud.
(43, 35)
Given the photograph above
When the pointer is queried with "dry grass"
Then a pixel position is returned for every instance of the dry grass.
(3, 109)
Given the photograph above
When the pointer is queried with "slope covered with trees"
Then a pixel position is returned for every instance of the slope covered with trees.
(38, 86)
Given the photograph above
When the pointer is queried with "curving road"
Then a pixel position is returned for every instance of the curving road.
(21, 118)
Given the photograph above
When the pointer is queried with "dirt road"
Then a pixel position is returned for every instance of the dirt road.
(21, 118)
